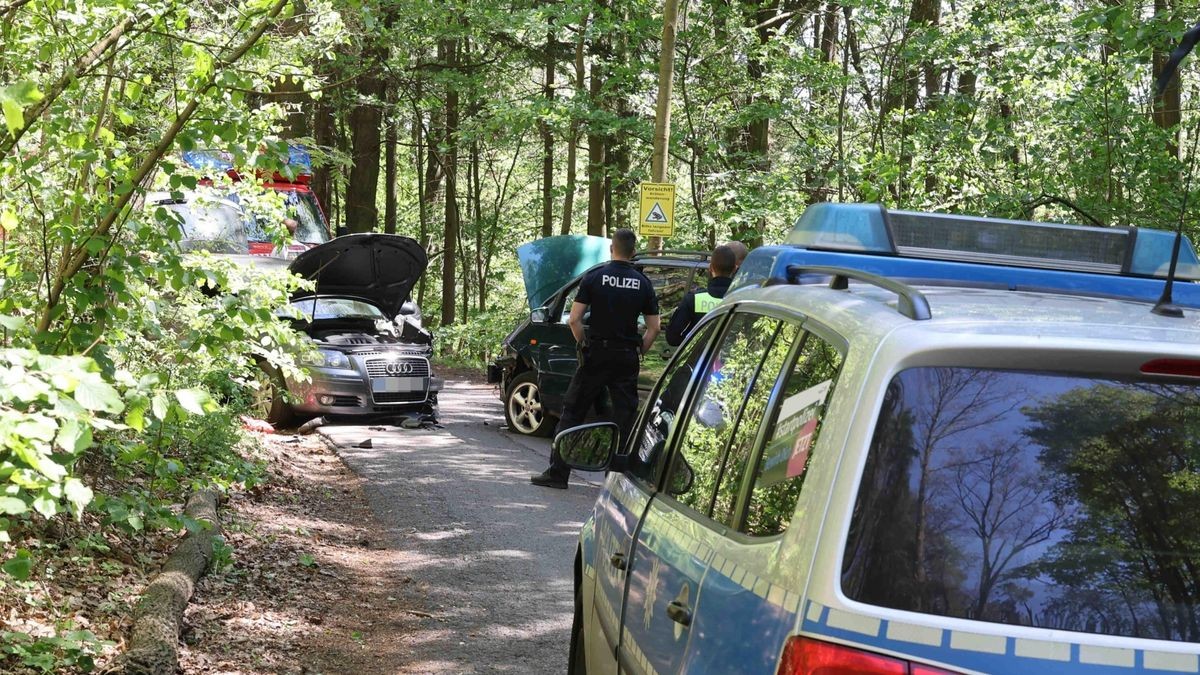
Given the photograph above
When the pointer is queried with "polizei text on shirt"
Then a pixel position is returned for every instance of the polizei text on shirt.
(620, 282)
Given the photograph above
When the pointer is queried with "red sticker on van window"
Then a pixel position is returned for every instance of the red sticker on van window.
(799, 458)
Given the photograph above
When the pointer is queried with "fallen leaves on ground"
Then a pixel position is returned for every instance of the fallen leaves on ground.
(307, 587)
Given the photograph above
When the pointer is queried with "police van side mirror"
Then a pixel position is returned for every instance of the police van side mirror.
(539, 315)
(589, 447)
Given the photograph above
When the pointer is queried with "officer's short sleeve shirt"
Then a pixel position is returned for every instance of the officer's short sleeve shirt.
(617, 294)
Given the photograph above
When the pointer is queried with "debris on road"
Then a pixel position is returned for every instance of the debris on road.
(256, 425)
(311, 425)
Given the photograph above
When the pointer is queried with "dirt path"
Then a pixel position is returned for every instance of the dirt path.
(490, 554)
(433, 554)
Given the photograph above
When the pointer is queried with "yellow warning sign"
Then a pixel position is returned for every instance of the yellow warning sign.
(657, 215)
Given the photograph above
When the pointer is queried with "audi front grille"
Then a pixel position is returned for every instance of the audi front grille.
(404, 367)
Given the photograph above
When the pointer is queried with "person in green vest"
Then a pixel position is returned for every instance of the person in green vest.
(698, 302)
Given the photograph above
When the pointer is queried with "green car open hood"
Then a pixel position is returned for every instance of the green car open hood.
(381, 268)
(548, 264)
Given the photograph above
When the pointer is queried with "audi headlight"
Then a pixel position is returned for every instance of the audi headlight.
(335, 359)
(328, 358)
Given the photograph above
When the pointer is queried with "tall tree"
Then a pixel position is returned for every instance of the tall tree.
(362, 214)
(549, 66)
(576, 126)
(597, 136)
(449, 53)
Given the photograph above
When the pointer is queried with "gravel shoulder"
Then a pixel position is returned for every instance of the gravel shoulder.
(302, 589)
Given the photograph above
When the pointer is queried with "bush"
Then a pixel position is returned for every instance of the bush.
(472, 343)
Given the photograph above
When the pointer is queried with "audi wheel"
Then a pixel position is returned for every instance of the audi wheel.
(270, 397)
(524, 409)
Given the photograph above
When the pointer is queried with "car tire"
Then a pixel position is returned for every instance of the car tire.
(524, 410)
(271, 396)
(577, 657)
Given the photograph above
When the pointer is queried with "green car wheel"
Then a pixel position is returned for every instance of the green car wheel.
(524, 409)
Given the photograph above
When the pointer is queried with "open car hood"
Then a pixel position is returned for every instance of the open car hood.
(380, 268)
(548, 264)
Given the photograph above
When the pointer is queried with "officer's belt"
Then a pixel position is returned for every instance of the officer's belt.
(612, 344)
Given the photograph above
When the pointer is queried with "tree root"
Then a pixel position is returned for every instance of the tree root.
(153, 647)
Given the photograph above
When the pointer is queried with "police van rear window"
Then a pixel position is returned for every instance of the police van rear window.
(1057, 501)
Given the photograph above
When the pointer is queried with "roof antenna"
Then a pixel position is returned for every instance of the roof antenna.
(1165, 305)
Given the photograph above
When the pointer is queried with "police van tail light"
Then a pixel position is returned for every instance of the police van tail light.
(805, 656)
(1179, 367)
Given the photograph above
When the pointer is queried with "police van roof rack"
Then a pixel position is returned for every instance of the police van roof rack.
(911, 302)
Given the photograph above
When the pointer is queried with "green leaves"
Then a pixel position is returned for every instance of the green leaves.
(93, 393)
(19, 566)
(195, 401)
(14, 99)
(77, 494)
(13, 506)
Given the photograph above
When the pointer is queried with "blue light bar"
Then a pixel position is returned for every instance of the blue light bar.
(870, 228)
(769, 264)
(299, 159)
(1127, 263)
(843, 227)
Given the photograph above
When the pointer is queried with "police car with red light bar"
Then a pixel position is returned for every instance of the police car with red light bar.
(911, 443)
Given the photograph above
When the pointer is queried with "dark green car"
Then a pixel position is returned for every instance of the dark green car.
(538, 357)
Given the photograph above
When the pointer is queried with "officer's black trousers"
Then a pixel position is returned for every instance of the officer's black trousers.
(600, 368)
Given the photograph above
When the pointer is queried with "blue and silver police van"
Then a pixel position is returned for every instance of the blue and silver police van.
(911, 443)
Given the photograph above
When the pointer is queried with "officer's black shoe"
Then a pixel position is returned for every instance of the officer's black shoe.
(549, 479)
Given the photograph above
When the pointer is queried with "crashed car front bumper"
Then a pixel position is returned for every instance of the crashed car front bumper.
(364, 390)
(499, 370)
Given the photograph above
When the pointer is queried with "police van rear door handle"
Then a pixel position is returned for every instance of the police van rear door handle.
(618, 561)
(679, 612)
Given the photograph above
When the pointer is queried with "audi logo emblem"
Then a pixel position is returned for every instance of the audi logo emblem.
(399, 368)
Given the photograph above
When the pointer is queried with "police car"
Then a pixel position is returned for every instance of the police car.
(911, 443)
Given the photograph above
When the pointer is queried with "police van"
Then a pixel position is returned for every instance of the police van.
(911, 443)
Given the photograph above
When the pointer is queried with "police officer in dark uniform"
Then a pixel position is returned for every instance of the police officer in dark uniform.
(609, 352)
(698, 302)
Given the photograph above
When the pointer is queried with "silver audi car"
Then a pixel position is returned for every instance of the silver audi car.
(373, 354)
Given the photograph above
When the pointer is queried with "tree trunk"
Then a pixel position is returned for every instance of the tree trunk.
(548, 141)
(323, 135)
(1166, 107)
(829, 32)
(477, 216)
(576, 125)
(418, 136)
(389, 209)
(430, 175)
(362, 215)
(450, 164)
(905, 95)
(596, 143)
(154, 640)
(290, 94)
(617, 156)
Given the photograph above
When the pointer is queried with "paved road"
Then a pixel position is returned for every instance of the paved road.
(492, 552)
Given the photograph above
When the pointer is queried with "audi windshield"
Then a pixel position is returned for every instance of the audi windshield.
(327, 309)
